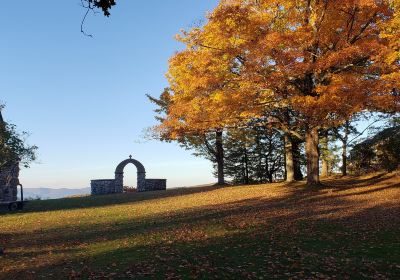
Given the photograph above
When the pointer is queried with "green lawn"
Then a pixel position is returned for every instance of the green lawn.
(349, 229)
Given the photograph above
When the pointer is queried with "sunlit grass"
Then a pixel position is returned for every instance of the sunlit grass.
(348, 228)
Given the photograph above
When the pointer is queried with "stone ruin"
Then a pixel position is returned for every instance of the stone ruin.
(110, 186)
(9, 181)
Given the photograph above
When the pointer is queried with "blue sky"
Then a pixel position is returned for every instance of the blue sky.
(83, 99)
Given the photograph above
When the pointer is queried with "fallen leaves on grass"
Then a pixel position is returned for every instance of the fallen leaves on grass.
(349, 229)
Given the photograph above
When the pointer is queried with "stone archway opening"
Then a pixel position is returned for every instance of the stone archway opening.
(130, 178)
(119, 175)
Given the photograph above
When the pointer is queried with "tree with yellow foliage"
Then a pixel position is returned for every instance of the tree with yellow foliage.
(207, 143)
(323, 59)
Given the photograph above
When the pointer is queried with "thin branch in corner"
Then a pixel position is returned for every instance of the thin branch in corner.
(93, 5)
(88, 8)
(83, 22)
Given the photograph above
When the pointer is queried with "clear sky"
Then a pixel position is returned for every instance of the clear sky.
(83, 99)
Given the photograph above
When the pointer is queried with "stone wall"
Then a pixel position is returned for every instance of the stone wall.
(155, 185)
(141, 181)
(9, 183)
(100, 187)
(108, 186)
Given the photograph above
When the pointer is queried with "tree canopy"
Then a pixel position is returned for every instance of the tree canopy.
(104, 5)
(323, 60)
(13, 146)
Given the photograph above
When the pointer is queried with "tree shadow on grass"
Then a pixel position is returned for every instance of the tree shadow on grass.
(253, 252)
(375, 184)
(348, 182)
(299, 233)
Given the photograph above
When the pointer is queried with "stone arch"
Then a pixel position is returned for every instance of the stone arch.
(119, 175)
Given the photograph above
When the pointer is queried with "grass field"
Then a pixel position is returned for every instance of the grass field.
(349, 229)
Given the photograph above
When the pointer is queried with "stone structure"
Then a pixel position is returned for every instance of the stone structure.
(9, 174)
(155, 185)
(109, 186)
(102, 186)
(119, 175)
(9, 182)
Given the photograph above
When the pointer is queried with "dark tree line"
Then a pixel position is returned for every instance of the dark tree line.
(254, 155)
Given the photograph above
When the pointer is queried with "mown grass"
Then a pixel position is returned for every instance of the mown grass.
(349, 229)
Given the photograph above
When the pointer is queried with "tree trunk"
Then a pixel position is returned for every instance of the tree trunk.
(344, 158)
(220, 157)
(246, 168)
(324, 168)
(324, 155)
(312, 156)
(344, 147)
(270, 177)
(289, 164)
(298, 175)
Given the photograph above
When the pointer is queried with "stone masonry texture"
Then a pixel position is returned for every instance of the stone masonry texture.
(9, 183)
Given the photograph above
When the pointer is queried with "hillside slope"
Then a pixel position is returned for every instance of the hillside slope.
(348, 229)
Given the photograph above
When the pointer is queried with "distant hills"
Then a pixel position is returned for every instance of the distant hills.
(48, 193)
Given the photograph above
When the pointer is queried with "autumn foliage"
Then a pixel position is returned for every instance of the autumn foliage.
(323, 60)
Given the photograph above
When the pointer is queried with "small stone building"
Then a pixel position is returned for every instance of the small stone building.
(109, 186)
(9, 174)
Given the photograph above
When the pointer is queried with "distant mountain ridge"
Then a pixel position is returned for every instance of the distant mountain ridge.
(49, 193)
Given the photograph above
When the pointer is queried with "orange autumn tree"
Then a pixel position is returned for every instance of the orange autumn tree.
(206, 92)
(175, 126)
(198, 95)
(195, 105)
(325, 60)
(391, 32)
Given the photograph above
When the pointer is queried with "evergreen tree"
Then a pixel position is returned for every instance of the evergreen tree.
(254, 154)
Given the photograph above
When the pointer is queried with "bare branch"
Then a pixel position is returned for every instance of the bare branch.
(88, 8)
